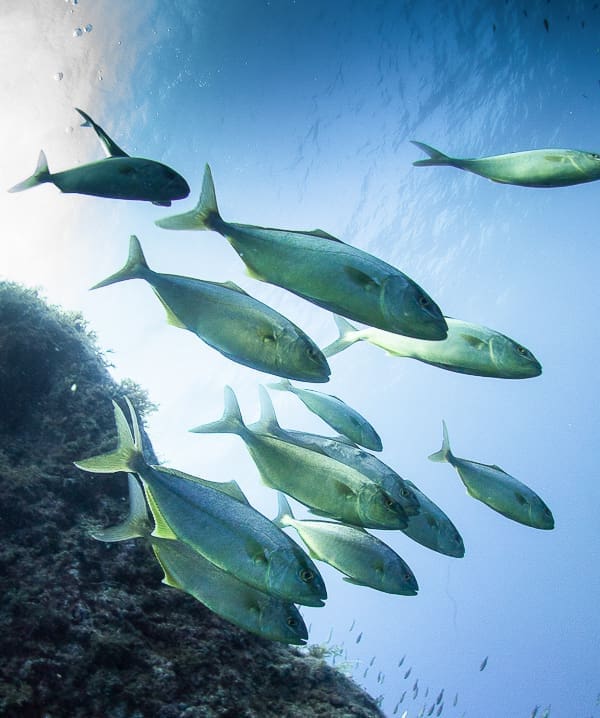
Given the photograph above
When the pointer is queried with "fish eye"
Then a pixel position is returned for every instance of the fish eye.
(291, 621)
(405, 492)
(594, 156)
(423, 301)
(306, 575)
(521, 350)
(389, 502)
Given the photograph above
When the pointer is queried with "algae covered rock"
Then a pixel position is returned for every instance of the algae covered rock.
(87, 629)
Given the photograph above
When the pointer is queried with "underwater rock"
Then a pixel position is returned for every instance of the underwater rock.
(86, 628)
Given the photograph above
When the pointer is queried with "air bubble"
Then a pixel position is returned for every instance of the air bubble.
(77, 32)
(58, 76)
(88, 27)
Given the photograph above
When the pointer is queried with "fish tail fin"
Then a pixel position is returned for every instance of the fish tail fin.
(230, 423)
(267, 422)
(41, 175)
(128, 454)
(435, 156)
(281, 385)
(205, 214)
(136, 525)
(349, 334)
(444, 454)
(135, 267)
(284, 511)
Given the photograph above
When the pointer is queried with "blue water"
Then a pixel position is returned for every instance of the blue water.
(305, 111)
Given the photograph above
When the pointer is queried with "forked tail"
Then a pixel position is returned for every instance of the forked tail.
(444, 454)
(436, 157)
(41, 175)
(204, 215)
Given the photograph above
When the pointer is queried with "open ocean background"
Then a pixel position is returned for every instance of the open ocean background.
(304, 110)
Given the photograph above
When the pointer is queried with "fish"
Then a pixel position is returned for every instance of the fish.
(455, 701)
(407, 673)
(500, 491)
(483, 663)
(440, 709)
(322, 269)
(468, 349)
(430, 711)
(229, 320)
(335, 412)
(220, 591)
(402, 697)
(401, 661)
(546, 712)
(358, 638)
(341, 450)
(534, 712)
(326, 486)
(531, 168)
(364, 559)
(117, 176)
(432, 528)
(438, 700)
(225, 530)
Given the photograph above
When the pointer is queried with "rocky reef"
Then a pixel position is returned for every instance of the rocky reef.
(87, 629)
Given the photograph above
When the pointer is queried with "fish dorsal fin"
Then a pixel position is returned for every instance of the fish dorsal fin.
(322, 235)
(499, 468)
(111, 148)
(161, 527)
(232, 285)
(169, 579)
(173, 320)
(473, 341)
(230, 488)
(364, 280)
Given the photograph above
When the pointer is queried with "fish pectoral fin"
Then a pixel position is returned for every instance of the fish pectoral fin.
(232, 285)
(520, 498)
(474, 342)
(363, 279)
(256, 551)
(172, 319)
(161, 527)
(254, 274)
(162, 203)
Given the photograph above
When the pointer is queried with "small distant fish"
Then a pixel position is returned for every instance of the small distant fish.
(416, 685)
(402, 697)
(322, 269)
(118, 176)
(336, 413)
(500, 491)
(440, 709)
(426, 691)
(372, 661)
(353, 624)
(438, 700)
(455, 700)
(546, 25)
(358, 638)
(483, 663)
(229, 320)
(532, 168)
(401, 661)
(534, 712)
(546, 712)
(366, 671)
(430, 711)
(407, 674)
(404, 714)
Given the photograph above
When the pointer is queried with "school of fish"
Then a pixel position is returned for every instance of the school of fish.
(209, 541)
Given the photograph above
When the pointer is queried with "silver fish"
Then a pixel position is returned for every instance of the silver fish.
(468, 349)
(326, 486)
(531, 168)
(336, 413)
(364, 559)
(500, 491)
(229, 320)
(118, 176)
(323, 269)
